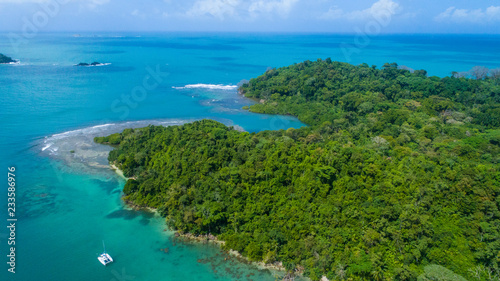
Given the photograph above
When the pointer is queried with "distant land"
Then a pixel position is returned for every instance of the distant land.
(6, 59)
(397, 176)
(90, 64)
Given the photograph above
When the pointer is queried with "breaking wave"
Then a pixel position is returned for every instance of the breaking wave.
(208, 86)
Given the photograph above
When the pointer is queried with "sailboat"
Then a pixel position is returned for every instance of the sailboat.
(105, 258)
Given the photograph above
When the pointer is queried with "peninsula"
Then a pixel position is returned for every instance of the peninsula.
(5, 59)
(397, 176)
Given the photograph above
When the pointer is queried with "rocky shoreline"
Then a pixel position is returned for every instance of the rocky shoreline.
(209, 238)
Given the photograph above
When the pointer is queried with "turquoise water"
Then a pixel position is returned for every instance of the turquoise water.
(68, 202)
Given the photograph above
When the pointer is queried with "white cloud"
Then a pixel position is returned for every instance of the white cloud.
(135, 13)
(453, 14)
(222, 9)
(90, 2)
(381, 8)
(23, 1)
(216, 8)
(281, 7)
(84, 4)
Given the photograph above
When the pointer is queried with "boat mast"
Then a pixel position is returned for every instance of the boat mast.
(103, 246)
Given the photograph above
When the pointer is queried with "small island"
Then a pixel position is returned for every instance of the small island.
(5, 59)
(90, 64)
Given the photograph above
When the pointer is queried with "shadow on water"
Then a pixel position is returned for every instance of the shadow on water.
(110, 186)
(123, 214)
(116, 191)
(130, 214)
(144, 221)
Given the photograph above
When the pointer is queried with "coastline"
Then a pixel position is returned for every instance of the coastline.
(129, 204)
(119, 172)
(189, 237)
(209, 238)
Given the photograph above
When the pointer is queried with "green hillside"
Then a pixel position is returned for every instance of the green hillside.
(397, 176)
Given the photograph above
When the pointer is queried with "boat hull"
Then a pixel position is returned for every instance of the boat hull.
(105, 258)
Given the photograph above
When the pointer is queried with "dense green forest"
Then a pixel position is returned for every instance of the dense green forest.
(396, 178)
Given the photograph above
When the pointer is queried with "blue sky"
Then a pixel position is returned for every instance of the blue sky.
(380, 16)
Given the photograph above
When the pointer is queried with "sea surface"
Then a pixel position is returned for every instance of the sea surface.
(68, 199)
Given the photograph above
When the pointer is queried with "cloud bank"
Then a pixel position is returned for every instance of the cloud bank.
(223, 9)
(452, 14)
(378, 9)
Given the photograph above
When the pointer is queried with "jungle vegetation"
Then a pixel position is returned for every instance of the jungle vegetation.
(397, 176)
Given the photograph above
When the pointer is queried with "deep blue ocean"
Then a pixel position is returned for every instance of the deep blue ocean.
(68, 199)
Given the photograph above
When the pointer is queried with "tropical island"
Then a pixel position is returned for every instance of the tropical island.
(397, 176)
(90, 64)
(6, 59)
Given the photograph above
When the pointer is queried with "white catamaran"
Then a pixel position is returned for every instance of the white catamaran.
(105, 258)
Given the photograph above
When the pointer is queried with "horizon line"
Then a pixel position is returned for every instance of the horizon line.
(246, 32)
